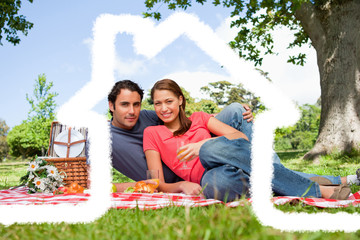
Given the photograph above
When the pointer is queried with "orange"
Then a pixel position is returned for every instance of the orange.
(75, 188)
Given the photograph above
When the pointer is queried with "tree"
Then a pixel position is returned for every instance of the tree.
(225, 93)
(11, 22)
(331, 27)
(303, 134)
(43, 106)
(32, 136)
(4, 148)
(217, 91)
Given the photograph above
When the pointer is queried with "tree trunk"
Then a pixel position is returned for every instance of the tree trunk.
(334, 30)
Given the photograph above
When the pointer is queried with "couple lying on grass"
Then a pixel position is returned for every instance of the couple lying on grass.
(218, 153)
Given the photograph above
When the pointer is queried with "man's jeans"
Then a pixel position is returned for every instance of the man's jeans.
(228, 165)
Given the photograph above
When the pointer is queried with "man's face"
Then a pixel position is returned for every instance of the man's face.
(126, 109)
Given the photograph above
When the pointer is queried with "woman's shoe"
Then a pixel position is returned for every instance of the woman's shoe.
(323, 181)
(341, 192)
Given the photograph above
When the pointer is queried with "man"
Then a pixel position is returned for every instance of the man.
(127, 127)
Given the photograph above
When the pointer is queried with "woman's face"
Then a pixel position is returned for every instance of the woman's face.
(166, 105)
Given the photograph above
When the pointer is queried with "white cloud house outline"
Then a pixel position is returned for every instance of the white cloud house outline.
(148, 41)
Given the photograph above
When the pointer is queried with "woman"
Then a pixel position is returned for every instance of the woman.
(232, 175)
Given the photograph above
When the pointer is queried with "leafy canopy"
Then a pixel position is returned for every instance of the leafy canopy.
(224, 93)
(43, 104)
(11, 22)
(255, 19)
(30, 138)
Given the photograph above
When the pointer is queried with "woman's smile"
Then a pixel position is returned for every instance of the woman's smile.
(166, 115)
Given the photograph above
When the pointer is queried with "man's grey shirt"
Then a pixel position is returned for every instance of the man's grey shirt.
(127, 149)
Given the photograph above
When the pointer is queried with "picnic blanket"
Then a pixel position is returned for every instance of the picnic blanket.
(155, 201)
(353, 200)
(118, 200)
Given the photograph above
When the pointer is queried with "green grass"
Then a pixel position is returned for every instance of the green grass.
(338, 165)
(10, 173)
(212, 222)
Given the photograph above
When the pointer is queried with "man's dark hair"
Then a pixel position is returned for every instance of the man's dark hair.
(124, 84)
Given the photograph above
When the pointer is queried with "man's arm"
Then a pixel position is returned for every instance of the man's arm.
(121, 187)
(248, 115)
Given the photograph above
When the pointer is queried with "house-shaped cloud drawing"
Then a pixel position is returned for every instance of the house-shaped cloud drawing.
(149, 40)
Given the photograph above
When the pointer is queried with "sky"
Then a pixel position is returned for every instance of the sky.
(59, 46)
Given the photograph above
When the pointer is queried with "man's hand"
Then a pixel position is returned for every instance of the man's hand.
(248, 115)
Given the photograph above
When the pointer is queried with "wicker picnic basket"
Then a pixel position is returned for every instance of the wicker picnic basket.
(70, 143)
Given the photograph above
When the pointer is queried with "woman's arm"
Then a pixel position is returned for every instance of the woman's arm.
(191, 151)
(221, 129)
(154, 163)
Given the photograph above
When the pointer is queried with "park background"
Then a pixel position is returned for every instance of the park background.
(59, 46)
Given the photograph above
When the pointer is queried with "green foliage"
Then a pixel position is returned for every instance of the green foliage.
(43, 106)
(4, 147)
(203, 105)
(217, 91)
(303, 134)
(147, 103)
(118, 177)
(29, 138)
(225, 93)
(255, 20)
(32, 136)
(11, 22)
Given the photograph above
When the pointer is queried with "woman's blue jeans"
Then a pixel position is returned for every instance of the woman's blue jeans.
(227, 165)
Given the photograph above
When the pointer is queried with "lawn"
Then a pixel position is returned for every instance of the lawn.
(212, 222)
(10, 173)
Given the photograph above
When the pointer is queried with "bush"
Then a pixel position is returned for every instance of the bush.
(303, 134)
(30, 138)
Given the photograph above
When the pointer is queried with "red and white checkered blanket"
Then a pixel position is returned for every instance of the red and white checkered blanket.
(155, 201)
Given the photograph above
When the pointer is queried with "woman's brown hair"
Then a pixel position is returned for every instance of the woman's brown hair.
(170, 85)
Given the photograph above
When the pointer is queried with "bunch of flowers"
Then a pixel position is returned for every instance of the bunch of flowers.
(41, 177)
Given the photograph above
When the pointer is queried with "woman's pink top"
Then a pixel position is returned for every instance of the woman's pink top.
(160, 139)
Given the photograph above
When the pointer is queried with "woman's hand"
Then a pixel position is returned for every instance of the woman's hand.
(190, 188)
(190, 151)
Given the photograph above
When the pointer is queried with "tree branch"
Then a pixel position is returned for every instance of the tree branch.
(309, 20)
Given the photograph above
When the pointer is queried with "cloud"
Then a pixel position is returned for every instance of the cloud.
(124, 68)
(129, 67)
(88, 42)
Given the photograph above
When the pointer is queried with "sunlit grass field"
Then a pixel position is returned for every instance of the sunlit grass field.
(212, 222)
